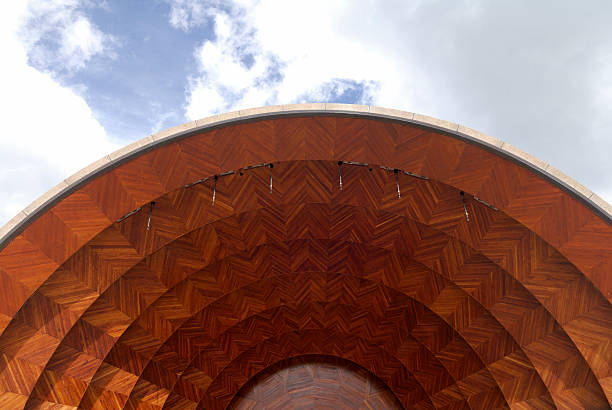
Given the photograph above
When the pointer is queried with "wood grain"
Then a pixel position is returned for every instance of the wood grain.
(308, 382)
(509, 309)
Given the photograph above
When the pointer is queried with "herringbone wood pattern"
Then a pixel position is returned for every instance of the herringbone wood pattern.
(503, 310)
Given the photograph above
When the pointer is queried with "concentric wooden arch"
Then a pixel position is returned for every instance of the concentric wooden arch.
(315, 382)
(511, 308)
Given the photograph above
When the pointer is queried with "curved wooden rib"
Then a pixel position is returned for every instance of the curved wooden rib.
(546, 323)
(183, 246)
(106, 316)
(315, 381)
(432, 369)
(313, 341)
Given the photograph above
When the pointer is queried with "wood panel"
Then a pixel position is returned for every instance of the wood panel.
(514, 303)
(309, 382)
(183, 246)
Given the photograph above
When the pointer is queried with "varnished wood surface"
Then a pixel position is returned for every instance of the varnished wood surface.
(315, 382)
(509, 309)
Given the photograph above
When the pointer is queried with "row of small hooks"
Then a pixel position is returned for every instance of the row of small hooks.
(395, 171)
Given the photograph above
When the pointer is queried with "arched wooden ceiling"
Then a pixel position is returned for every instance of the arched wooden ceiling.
(315, 382)
(483, 282)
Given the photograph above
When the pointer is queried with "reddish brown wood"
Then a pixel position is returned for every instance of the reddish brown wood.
(315, 382)
(509, 309)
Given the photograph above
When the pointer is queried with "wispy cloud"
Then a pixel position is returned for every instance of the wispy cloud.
(534, 75)
(241, 68)
(59, 36)
(342, 91)
(48, 131)
(187, 14)
(233, 70)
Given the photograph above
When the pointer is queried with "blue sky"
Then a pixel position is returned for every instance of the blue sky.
(139, 85)
(82, 78)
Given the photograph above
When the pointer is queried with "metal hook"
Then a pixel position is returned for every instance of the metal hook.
(150, 215)
(340, 173)
(215, 190)
(467, 216)
(396, 172)
(271, 166)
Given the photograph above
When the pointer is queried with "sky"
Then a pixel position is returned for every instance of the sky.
(82, 78)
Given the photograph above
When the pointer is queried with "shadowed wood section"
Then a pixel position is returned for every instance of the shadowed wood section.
(509, 309)
(310, 382)
(314, 342)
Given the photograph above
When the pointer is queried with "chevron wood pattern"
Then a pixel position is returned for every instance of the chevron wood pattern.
(214, 304)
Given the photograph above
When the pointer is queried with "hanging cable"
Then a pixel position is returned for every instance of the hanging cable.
(359, 164)
(124, 217)
(214, 190)
(199, 181)
(412, 174)
(254, 166)
(416, 175)
(150, 215)
(467, 216)
(340, 173)
(485, 203)
(271, 166)
(396, 172)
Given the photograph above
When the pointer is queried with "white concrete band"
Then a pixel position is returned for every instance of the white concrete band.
(65, 187)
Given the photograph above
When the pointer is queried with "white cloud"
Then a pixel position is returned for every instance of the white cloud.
(48, 131)
(186, 14)
(59, 36)
(251, 62)
(527, 73)
(235, 71)
(81, 41)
